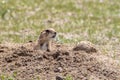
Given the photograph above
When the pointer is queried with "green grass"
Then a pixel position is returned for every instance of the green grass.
(8, 77)
(95, 20)
(68, 77)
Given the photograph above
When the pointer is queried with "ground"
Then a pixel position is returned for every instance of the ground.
(23, 63)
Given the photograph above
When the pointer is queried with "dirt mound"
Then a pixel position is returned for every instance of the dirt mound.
(55, 65)
(85, 46)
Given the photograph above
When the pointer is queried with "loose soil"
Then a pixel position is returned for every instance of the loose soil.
(62, 61)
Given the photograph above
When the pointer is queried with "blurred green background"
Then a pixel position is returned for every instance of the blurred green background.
(95, 20)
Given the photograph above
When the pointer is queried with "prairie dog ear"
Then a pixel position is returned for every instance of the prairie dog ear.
(43, 32)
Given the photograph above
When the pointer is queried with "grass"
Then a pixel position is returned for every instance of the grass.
(8, 77)
(14, 75)
(75, 20)
(90, 20)
(68, 77)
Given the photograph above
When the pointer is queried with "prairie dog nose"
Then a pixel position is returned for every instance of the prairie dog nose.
(54, 35)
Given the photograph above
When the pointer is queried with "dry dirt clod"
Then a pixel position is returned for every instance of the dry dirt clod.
(58, 69)
(85, 46)
(56, 55)
(9, 59)
(22, 51)
(1, 50)
(59, 78)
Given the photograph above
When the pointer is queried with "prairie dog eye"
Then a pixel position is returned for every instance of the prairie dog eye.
(47, 31)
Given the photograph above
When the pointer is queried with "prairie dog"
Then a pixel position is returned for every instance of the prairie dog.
(44, 40)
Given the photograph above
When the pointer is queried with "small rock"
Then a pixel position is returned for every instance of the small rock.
(59, 69)
(59, 78)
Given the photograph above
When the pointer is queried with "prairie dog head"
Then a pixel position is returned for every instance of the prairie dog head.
(44, 40)
(48, 34)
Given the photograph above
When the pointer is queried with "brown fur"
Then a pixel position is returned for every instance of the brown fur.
(44, 40)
